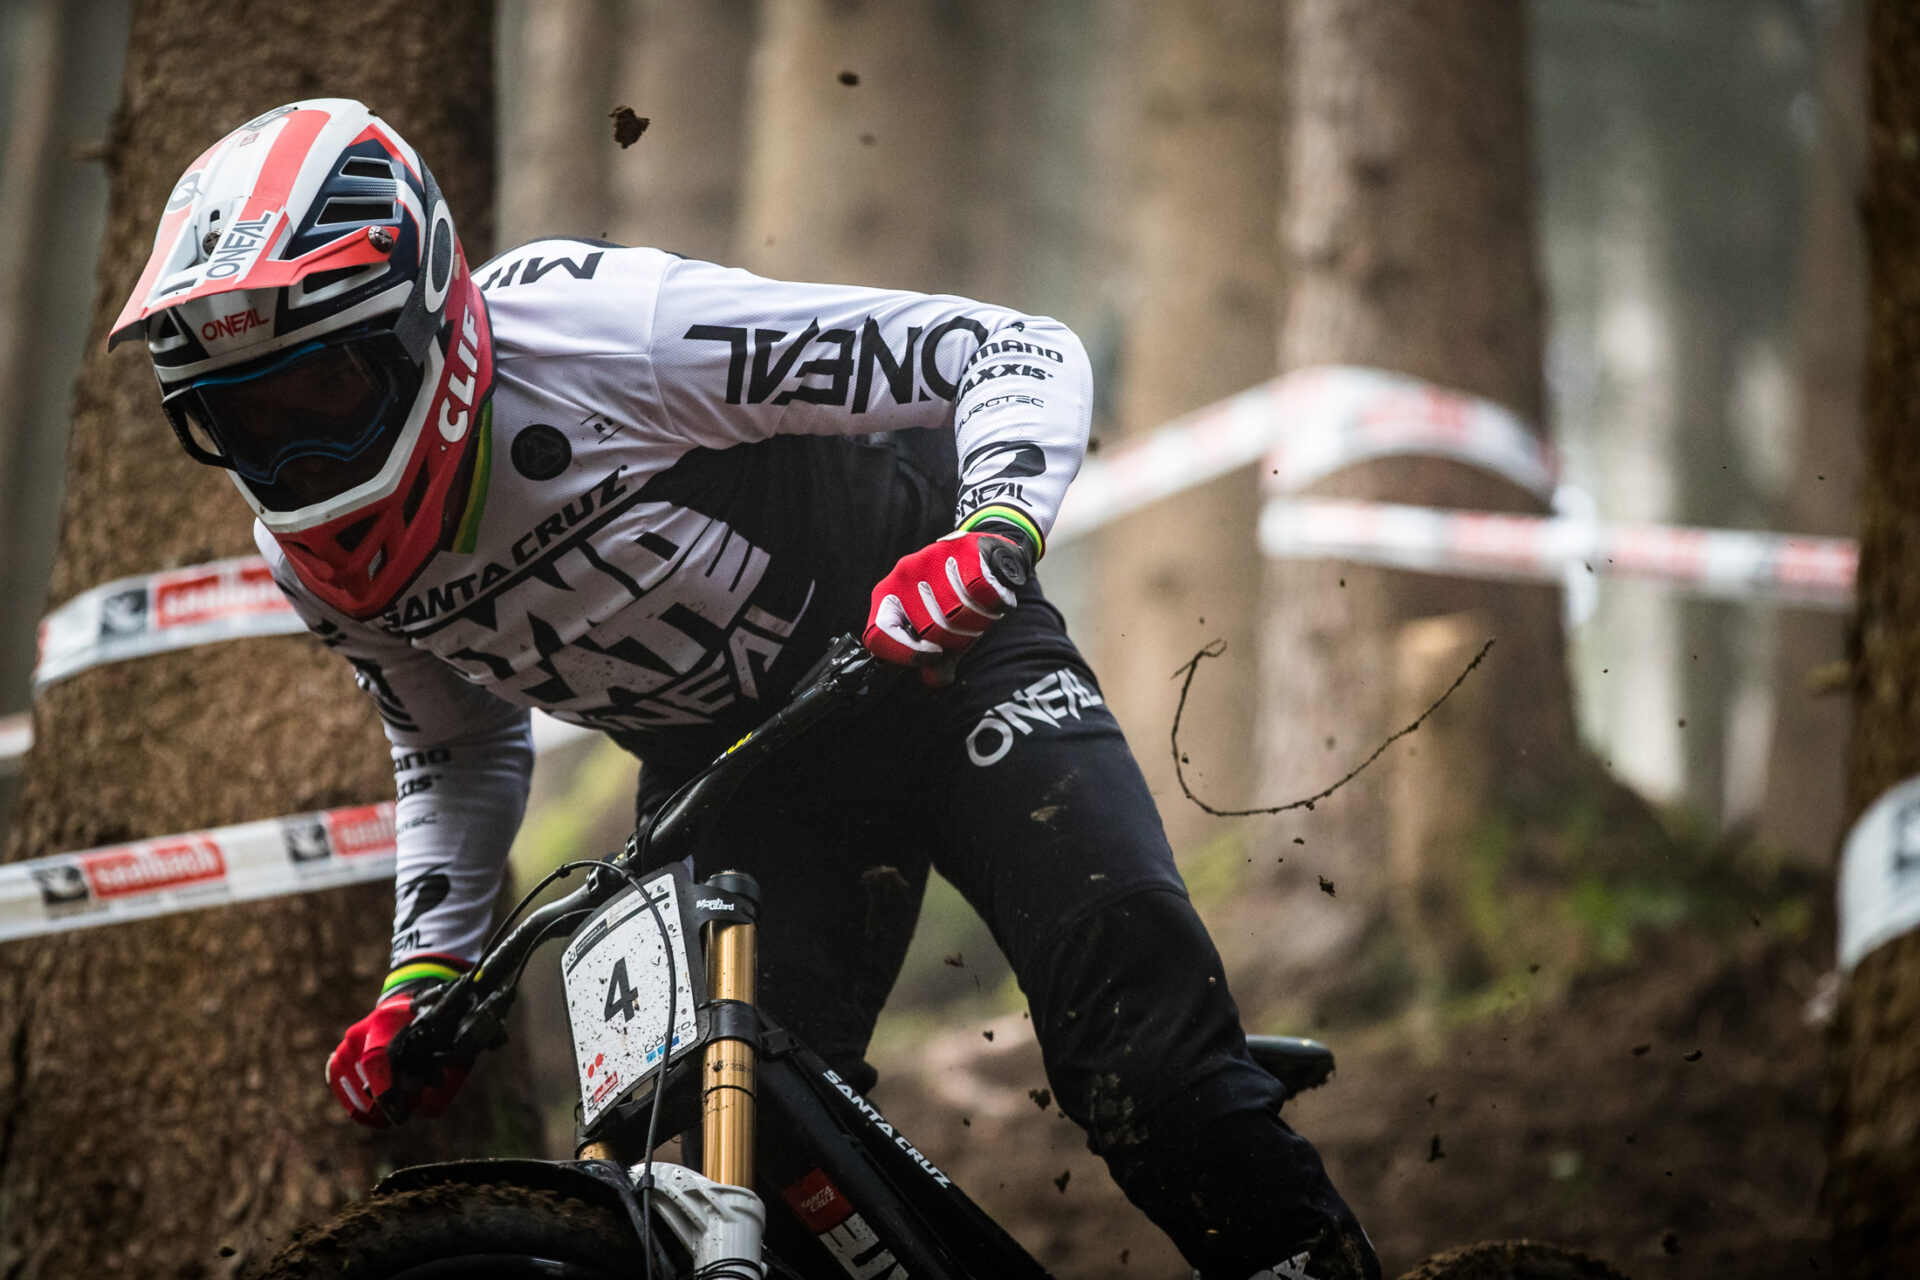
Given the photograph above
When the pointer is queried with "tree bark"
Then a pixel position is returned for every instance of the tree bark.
(1201, 323)
(856, 170)
(1806, 768)
(1875, 1163)
(1407, 243)
(160, 1099)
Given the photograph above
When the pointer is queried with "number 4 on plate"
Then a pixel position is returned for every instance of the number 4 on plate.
(620, 994)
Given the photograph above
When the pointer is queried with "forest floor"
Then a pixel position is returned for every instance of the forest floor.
(1664, 1115)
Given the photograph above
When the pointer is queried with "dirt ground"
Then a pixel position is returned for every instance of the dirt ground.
(1665, 1117)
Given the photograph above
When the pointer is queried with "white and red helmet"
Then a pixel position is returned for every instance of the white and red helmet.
(316, 332)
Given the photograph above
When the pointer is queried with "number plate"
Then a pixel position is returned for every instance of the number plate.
(616, 980)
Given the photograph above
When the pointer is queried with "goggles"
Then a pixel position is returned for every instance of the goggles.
(305, 426)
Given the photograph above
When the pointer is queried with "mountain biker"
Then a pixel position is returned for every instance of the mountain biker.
(643, 493)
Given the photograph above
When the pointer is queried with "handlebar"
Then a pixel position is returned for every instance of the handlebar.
(468, 1016)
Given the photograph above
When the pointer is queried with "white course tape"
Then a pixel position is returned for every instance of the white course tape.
(1306, 425)
(158, 612)
(177, 609)
(16, 735)
(1722, 563)
(1880, 874)
(199, 869)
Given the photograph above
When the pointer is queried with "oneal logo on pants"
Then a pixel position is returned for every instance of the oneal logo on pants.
(1294, 1268)
(1046, 701)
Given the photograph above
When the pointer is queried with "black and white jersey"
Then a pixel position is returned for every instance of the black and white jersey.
(688, 480)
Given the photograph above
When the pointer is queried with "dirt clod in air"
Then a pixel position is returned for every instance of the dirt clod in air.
(988, 1035)
(1670, 1243)
(1061, 1181)
(1326, 886)
(1042, 1098)
(849, 78)
(1695, 1056)
(957, 960)
(1433, 1150)
(1642, 1050)
(627, 127)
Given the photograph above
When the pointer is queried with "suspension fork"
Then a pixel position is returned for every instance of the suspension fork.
(727, 1074)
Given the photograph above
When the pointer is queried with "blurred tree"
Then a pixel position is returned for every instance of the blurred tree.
(1805, 781)
(1204, 147)
(64, 59)
(1875, 1158)
(160, 1094)
(684, 67)
(858, 128)
(559, 59)
(1718, 80)
(1407, 243)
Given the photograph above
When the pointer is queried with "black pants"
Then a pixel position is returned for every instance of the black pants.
(1016, 784)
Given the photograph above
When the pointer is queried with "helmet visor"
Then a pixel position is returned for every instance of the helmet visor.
(305, 426)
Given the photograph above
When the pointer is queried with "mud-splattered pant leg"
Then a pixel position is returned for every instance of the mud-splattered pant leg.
(1055, 840)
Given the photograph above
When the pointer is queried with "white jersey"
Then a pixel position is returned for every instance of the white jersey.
(687, 482)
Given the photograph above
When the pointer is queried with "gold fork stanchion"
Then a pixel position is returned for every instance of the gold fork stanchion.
(727, 1075)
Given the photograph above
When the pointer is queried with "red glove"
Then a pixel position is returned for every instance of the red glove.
(360, 1075)
(939, 599)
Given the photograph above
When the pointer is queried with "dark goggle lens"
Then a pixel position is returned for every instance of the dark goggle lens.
(309, 425)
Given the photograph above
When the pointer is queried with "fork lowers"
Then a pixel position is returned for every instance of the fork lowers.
(726, 1100)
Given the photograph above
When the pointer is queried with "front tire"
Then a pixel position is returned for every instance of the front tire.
(473, 1232)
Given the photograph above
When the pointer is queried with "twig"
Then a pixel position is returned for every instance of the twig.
(1219, 647)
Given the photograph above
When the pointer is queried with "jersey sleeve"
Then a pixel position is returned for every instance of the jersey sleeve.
(462, 763)
(738, 358)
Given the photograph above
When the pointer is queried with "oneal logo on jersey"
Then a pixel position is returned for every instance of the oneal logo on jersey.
(461, 591)
(453, 424)
(238, 248)
(841, 362)
(1046, 702)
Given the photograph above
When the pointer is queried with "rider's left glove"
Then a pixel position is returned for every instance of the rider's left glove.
(359, 1072)
(941, 598)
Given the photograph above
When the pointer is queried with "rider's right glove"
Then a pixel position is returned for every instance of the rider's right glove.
(358, 1071)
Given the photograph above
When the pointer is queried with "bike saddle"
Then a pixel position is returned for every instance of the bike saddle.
(1298, 1063)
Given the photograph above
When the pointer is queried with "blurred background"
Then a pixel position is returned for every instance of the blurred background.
(1513, 996)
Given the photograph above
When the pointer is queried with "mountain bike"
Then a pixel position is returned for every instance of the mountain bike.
(799, 1176)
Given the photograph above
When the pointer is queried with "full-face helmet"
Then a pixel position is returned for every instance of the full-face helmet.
(316, 331)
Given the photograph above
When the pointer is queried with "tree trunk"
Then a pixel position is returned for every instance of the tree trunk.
(1201, 322)
(1876, 1036)
(1806, 769)
(54, 206)
(684, 67)
(856, 164)
(1407, 243)
(558, 165)
(160, 1099)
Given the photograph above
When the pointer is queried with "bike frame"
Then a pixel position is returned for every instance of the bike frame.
(839, 1189)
